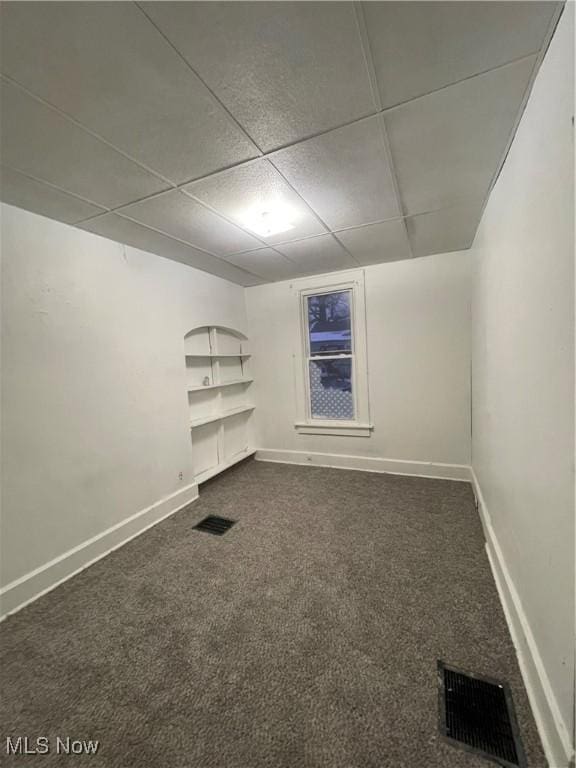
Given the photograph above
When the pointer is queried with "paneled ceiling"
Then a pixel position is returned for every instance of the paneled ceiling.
(376, 128)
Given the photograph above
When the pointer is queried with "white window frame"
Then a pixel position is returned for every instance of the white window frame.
(360, 426)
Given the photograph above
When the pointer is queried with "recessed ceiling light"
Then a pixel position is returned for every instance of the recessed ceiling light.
(270, 222)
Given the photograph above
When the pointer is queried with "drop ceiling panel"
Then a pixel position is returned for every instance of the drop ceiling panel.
(32, 195)
(246, 191)
(419, 47)
(38, 141)
(377, 242)
(106, 65)
(285, 70)
(122, 230)
(266, 263)
(344, 175)
(178, 215)
(447, 145)
(317, 254)
(451, 229)
(147, 96)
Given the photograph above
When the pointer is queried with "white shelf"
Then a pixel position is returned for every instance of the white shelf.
(210, 355)
(219, 386)
(210, 350)
(220, 416)
(208, 473)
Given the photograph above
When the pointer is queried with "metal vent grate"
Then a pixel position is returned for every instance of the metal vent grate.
(214, 524)
(477, 714)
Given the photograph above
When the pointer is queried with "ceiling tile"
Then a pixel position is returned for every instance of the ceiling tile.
(317, 254)
(38, 141)
(32, 195)
(285, 70)
(266, 263)
(377, 243)
(251, 189)
(344, 175)
(451, 229)
(178, 215)
(448, 145)
(419, 47)
(106, 65)
(122, 230)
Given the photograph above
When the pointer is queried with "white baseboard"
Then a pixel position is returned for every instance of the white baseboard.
(551, 726)
(33, 585)
(366, 464)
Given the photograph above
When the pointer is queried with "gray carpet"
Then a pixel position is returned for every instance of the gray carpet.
(306, 637)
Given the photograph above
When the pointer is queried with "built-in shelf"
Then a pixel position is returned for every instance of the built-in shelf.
(219, 356)
(219, 386)
(211, 355)
(208, 473)
(199, 422)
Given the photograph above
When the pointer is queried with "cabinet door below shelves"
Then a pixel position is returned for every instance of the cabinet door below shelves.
(235, 436)
(205, 447)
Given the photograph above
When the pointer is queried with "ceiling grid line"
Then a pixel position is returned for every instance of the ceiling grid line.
(118, 210)
(264, 245)
(388, 153)
(181, 242)
(461, 80)
(172, 237)
(367, 55)
(200, 79)
(373, 78)
(302, 199)
(268, 156)
(264, 156)
(86, 129)
(539, 58)
(266, 248)
(314, 213)
(415, 160)
(223, 216)
(59, 189)
(364, 118)
(225, 257)
(354, 227)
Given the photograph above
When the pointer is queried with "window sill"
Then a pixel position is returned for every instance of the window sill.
(332, 428)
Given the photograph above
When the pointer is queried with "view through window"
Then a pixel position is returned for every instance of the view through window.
(330, 355)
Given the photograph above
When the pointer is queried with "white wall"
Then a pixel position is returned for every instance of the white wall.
(523, 387)
(418, 331)
(94, 400)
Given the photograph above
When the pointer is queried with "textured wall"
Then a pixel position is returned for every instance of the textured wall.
(94, 406)
(418, 337)
(523, 363)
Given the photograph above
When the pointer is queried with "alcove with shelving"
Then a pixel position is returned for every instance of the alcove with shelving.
(218, 380)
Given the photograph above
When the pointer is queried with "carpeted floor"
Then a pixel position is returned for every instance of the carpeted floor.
(306, 637)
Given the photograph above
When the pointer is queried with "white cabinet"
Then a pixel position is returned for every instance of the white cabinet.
(218, 382)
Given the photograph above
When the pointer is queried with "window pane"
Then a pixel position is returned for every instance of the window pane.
(331, 389)
(329, 323)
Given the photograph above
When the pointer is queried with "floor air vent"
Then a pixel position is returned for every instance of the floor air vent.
(477, 714)
(214, 524)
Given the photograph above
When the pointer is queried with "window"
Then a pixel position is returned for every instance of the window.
(332, 386)
(330, 357)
